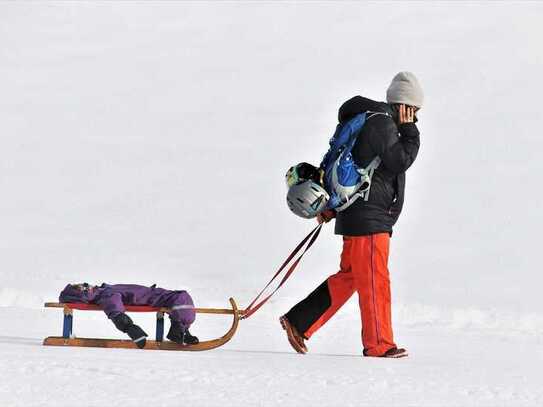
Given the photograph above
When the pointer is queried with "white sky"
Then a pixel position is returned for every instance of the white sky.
(148, 143)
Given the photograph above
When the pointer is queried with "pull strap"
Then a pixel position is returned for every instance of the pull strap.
(311, 237)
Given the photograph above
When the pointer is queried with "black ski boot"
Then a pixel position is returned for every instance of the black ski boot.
(125, 324)
(181, 335)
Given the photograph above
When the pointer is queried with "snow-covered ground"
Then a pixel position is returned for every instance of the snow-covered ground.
(147, 143)
(454, 363)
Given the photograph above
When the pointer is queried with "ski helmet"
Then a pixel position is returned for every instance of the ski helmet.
(307, 199)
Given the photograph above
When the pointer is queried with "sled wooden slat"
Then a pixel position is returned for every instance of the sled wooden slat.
(68, 340)
(135, 308)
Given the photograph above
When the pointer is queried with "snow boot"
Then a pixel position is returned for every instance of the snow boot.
(294, 338)
(125, 324)
(393, 353)
(181, 335)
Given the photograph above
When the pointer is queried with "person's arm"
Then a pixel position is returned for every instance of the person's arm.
(397, 153)
(112, 304)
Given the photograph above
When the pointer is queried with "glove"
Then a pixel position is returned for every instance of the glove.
(326, 216)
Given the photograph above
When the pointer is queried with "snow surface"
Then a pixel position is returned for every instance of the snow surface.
(147, 143)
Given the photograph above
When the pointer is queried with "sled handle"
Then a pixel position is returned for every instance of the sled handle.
(223, 311)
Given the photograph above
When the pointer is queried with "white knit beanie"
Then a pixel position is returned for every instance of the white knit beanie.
(405, 89)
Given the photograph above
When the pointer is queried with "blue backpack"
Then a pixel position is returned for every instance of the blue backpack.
(345, 181)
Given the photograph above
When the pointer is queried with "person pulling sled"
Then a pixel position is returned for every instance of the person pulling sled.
(113, 298)
(360, 183)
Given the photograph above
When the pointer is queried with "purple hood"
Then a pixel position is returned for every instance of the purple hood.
(78, 293)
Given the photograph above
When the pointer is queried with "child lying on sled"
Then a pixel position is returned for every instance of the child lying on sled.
(113, 298)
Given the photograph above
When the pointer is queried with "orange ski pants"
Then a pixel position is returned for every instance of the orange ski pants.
(364, 269)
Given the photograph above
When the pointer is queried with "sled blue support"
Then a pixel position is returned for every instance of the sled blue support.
(159, 326)
(67, 326)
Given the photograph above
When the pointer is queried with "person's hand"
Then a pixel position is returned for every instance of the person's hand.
(406, 114)
(326, 216)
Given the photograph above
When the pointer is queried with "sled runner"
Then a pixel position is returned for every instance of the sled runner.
(67, 339)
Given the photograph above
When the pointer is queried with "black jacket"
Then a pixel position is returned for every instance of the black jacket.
(398, 148)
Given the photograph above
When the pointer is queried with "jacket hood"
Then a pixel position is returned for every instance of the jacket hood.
(359, 104)
(78, 293)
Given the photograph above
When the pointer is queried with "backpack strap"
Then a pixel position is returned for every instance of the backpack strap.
(366, 175)
(370, 114)
(369, 170)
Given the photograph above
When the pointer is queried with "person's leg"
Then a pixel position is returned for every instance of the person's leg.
(369, 263)
(318, 307)
(182, 307)
(181, 317)
(113, 306)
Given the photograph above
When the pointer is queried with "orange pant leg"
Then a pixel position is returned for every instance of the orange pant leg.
(340, 286)
(369, 265)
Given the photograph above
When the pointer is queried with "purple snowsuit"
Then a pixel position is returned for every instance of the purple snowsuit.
(113, 298)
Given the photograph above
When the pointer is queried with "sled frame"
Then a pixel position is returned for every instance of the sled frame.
(67, 338)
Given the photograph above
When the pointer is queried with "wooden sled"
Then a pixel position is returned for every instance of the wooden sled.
(67, 338)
